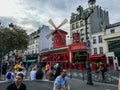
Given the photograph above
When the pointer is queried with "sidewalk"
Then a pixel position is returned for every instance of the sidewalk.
(78, 74)
(76, 84)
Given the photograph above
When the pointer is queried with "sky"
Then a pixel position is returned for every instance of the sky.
(32, 14)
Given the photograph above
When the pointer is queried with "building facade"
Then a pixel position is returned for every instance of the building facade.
(112, 44)
(44, 42)
(96, 22)
(97, 43)
(37, 43)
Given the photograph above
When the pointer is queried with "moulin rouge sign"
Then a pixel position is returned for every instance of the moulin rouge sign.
(78, 46)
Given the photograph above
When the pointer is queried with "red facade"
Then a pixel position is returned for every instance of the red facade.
(76, 37)
(55, 57)
(78, 46)
(59, 39)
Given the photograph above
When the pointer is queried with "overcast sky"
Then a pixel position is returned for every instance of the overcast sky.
(31, 14)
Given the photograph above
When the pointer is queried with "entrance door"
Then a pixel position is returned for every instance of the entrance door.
(111, 65)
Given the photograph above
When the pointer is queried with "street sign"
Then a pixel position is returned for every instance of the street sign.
(88, 46)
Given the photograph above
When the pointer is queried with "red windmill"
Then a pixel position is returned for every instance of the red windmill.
(59, 36)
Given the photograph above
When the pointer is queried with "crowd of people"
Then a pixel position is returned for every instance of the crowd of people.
(35, 71)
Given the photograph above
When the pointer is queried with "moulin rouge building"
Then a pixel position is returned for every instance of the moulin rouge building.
(75, 55)
(71, 56)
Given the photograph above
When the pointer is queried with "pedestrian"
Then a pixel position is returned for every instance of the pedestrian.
(61, 82)
(47, 67)
(119, 82)
(4, 69)
(58, 69)
(39, 74)
(33, 74)
(16, 67)
(9, 75)
(20, 70)
(50, 75)
(103, 69)
(17, 85)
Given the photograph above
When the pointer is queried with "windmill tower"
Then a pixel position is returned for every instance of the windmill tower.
(59, 36)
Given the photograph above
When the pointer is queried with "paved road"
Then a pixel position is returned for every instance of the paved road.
(74, 84)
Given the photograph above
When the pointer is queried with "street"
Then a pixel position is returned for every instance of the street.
(75, 84)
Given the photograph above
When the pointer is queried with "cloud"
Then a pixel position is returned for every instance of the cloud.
(31, 14)
(5, 21)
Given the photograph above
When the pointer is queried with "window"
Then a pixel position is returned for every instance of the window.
(101, 50)
(36, 51)
(77, 25)
(82, 39)
(82, 32)
(32, 51)
(73, 26)
(88, 30)
(112, 31)
(94, 40)
(95, 50)
(81, 23)
(36, 46)
(100, 38)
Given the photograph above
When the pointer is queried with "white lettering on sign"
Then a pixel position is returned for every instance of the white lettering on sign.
(77, 47)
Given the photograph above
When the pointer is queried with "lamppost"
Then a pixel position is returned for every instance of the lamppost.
(86, 14)
(0, 56)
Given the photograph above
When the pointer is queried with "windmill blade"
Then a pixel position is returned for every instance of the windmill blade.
(48, 36)
(52, 23)
(60, 34)
(64, 21)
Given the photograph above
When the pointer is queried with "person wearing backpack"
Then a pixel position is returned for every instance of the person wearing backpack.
(9, 75)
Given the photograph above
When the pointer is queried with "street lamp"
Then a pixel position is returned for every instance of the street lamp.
(86, 14)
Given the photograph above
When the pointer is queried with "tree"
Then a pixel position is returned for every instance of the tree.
(13, 38)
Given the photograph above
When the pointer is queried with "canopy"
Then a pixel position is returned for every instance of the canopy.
(97, 56)
(31, 60)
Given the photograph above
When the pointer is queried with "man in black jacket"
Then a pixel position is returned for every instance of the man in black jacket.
(17, 85)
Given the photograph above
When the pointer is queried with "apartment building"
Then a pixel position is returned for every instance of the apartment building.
(112, 44)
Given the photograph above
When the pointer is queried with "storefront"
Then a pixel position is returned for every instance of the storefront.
(71, 57)
(31, 58)
(55, 55)
(95, 60)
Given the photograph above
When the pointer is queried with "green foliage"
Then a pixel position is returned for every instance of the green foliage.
(14, 38)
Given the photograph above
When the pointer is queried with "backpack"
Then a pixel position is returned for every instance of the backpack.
(9, 75)
(105, 69)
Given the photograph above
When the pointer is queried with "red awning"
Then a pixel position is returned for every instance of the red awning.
(97, 56)
(55, 61)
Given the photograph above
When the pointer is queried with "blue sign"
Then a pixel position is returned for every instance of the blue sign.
(88, 43)
(88, 46)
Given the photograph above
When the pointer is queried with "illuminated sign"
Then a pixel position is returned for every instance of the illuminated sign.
(78, 46)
